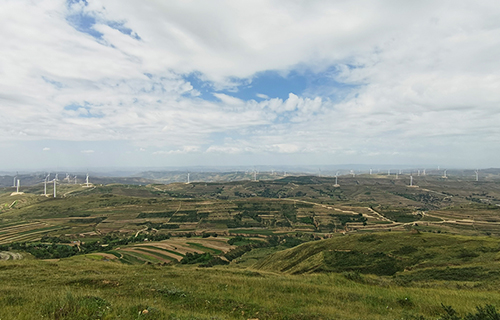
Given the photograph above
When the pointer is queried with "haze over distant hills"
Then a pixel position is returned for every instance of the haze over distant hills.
(142, 176)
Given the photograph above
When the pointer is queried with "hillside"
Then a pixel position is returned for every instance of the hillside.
(409, 256)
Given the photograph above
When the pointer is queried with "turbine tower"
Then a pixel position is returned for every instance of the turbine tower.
(15, 179)
(188, 178)
(18, 184)
(411, 181)
(45, 184)
(87, 180)
(336, 180)
(444, 174)
(75, 179)
(477, 174)
(371, 171)
(389, 172)
(55, 183)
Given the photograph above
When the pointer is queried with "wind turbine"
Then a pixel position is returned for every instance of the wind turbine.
(371, 171)
(67, 178)
(15, 179)
(336, 180)
(75, 179)
(353, 174)
(411, 181)
(188, 178)
(477, 174)
(87, 180)
(418, 174)
(444, 174)
(389, 172)
(45, 184)
(18, 185)
(55, 184)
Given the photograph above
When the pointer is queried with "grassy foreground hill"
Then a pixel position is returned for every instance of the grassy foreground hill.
(409, 256)
(310, 281)
(82, 288)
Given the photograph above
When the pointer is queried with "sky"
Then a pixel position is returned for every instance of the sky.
(154, 83)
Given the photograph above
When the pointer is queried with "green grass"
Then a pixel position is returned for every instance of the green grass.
(130, 258)
(88, 289)
(389, 254)
(115, 253)
(203, 248)
(154, 253)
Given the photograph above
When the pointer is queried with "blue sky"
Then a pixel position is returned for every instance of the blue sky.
(249, 83)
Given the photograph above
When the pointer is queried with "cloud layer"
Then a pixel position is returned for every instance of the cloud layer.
(408, 81)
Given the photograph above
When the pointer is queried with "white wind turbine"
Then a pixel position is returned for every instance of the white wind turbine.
(15, 179)
(87, 180)
(55, 184)
(45, 184)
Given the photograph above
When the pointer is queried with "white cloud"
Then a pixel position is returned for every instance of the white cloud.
(424, 75)
(87, 151)
(46, 149)
(184, 150)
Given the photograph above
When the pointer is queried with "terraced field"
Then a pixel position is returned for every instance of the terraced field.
(166, 251)
(293, 204)
(25, 232)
